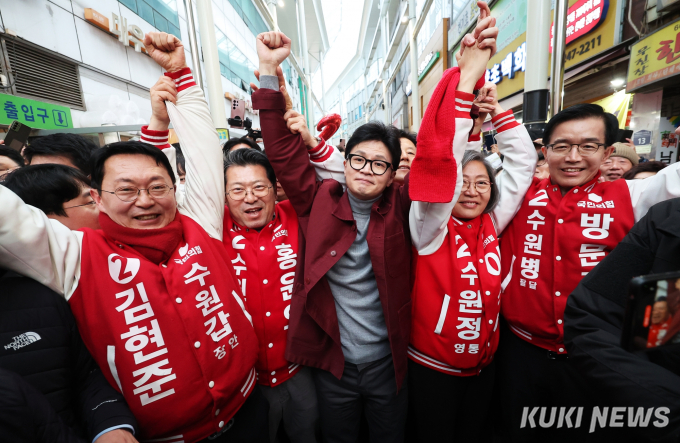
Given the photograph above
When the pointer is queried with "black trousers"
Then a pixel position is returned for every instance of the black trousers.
(527, 378)
(447, 408)
(250, 424)
(369, 389)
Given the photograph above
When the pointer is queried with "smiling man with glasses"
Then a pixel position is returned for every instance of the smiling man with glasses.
(350, 305)
(566, 225)
(261, 238)
(153, 291)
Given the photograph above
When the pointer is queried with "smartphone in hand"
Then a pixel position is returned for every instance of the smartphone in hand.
(17, 135)
(652, 318)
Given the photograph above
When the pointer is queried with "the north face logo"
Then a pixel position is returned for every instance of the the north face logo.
(22, 340)
(123, 269)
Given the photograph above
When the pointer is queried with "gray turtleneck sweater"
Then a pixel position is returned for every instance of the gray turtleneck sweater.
(360, 314)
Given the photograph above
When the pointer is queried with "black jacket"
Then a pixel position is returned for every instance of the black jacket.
(594, 321)
(39, 340)
(27, 417)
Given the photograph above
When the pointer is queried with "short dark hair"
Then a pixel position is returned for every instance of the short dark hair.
(652, 166)
(380, 132)
(250, 157)
(581, 112)
(75, 147)
(181, 164)
(472, 155)
(130, 147)
(13, 155)
(47, 186)
(411, 136)
(233, 142)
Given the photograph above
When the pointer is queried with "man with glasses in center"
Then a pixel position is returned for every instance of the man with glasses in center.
(567, 224)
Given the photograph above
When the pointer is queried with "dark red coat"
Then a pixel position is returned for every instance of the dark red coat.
(327, 230)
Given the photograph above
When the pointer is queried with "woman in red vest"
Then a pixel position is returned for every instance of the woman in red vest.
(457, 278)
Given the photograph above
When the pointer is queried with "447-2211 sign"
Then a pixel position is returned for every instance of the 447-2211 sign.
(33, 113)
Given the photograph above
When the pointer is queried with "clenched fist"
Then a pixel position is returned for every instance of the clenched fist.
(272, 49)
(166, 50)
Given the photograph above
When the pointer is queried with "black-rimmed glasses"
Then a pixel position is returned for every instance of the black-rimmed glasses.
(378, 167)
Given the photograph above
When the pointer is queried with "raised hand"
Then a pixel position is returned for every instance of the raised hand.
(298, 125)
(166, 50)
(487, 100)
(272, 49)
(164, 90)
(477, 48)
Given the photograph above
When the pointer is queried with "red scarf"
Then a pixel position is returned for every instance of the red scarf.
(157, 245)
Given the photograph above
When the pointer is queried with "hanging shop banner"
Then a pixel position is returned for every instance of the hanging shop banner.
(646, 123)
(34, 113)
(655, 57)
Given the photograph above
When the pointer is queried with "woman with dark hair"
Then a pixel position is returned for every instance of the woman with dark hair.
(644, 170)
(457, 277)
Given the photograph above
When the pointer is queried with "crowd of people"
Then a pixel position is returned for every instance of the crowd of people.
(404, 289)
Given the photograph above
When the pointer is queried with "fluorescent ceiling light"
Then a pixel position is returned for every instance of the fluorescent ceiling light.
(618, 82)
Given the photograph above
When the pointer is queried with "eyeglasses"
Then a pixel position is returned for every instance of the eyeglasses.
(481, 186)
(238, 194)
(584, 149)
(129, 194)
(78, 206)
(378, 167)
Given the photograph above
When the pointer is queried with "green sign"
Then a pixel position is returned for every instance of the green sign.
(33, 113)
(429, 61)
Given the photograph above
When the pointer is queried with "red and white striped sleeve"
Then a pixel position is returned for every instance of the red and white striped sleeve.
(183, 78)
(504, 121)
(320, 153)
(464, 102)
(157, 138)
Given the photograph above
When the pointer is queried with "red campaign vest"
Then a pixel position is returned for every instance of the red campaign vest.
(456, 300)
(175, 339)
(552, 242)
(265, 263)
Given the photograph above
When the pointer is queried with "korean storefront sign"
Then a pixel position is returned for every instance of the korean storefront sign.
(582, 18)
(427, 64)
(33, 113)
(127, 34)
(463, 21)
(597, 31)
(655, 57)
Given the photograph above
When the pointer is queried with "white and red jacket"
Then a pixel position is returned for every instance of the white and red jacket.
(555, 240)
(265, 263)
(207, 389)
(457, 273)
